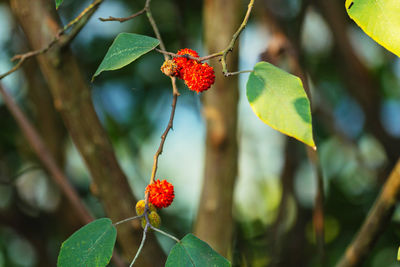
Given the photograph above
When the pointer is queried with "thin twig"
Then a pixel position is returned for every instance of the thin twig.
(110, 18)
(13, 69)
(141, 245)
(163, 137)
(199, 59)
(128, 219)
(164, 233)
(175, 94)
(82, 18)
(235, 37)
(237, 72)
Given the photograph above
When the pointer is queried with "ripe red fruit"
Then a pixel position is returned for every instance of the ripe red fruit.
(161, 193)
(199, 77)
(185, 63)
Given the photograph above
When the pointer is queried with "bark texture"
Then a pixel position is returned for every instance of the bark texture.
(214, 220)
(72, 98)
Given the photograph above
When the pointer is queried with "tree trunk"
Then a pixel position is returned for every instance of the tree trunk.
(72, 99)
(214, 219)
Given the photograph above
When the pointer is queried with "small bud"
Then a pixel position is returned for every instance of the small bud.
(154, 220)
(140, 207)
(170, 68)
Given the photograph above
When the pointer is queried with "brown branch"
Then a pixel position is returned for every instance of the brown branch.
(375, 223)
(235, 37)
(163, 137)
(80, 21)
(44, 155)
(110, 18)
(175, 93)
(223, 54)
(72, 98)
(13, 69)
(166, 54)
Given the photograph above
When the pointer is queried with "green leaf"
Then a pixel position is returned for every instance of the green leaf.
(58, 3)
(90, 246)
(279, 100)
(380, 19)
(398, 254)
(192, 251)
(126, 48)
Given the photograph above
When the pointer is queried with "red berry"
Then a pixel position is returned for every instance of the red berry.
(199, 77)
(161, 193)
(184, 63)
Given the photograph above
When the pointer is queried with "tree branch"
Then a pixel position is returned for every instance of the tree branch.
(72, 98)
(45, 157)
(79, 21)
(110, 18)
(226, 51)
(163, 137)
(375, 223)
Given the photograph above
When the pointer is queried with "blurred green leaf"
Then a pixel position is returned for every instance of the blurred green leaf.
(126, 48)
(58, 3)
(90, 246)
(379, 19)
(192, 251)
(279, 100)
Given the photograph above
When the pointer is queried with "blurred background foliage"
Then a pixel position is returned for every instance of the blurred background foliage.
(273, 214)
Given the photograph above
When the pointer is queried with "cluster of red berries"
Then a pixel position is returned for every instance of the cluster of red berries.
(197, 76)
(161, 193)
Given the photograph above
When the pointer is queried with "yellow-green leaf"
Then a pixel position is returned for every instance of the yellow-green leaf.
(279, 100)
(380, 19)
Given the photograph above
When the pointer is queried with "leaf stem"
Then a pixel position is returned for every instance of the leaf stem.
(141, 244)
(165, 233)
(128, 219)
